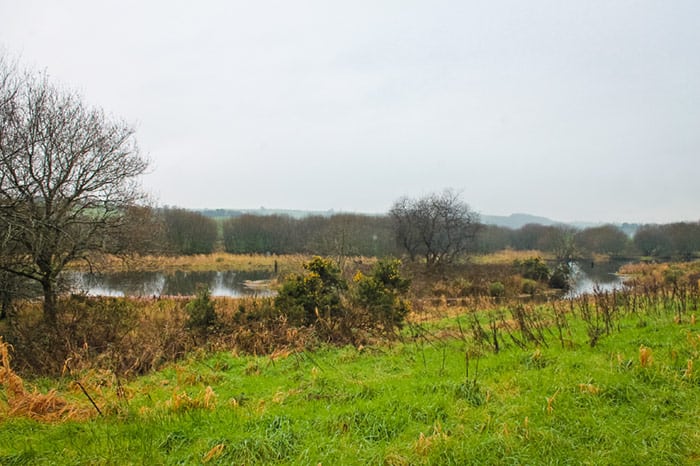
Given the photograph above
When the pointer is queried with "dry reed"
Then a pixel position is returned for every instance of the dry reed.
(550, 402)
(183, 402)
(44, 407)
(646, 359)
(425, 444)
(214, 453)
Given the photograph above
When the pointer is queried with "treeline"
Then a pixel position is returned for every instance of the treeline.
(679, 240)
(147, 230)
(340, 234)
(179, 231)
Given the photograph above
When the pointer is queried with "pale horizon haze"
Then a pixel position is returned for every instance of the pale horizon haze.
(572, 110)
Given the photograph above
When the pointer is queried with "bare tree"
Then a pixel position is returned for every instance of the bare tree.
(142, 231)
(67, 172)
(10, 284)
(437, 227)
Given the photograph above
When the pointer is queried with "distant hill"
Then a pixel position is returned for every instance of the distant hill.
(228, 213)
(516, 221)
(513, 221)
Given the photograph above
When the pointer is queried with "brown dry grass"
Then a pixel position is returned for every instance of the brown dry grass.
(658, 273)
(508, 256)
(12, 382)
(125, 336)
(426, 443)
(214, 453)
(427, 310)
(183, 402)
(197, 262)
(646, 359)
(44, 407)
(135, 336)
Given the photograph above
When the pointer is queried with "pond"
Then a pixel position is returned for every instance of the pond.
(587, 276)
(179, 283)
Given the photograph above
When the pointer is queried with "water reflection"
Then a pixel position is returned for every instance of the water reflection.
(587, 276)
(178, 283)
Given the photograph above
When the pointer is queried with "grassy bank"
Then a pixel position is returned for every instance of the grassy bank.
(440, 396)
(219, 261)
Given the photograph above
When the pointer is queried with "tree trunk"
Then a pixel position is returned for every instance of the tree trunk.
(5, 303)
(50, 302)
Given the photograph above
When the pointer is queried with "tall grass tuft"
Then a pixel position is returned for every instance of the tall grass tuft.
(181, 401)
(646, 359)
(45, 407)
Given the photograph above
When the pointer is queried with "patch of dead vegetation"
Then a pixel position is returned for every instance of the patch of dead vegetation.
(44, 407)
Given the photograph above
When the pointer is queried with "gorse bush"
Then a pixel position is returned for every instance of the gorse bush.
(322, 297)
(304, 298)
(497, 290)
(533, 268)
(381, 294)
(201, 311)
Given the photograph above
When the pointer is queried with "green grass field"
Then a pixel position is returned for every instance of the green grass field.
(436, 397)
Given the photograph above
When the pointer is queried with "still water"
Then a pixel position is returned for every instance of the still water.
(178, 283)
(587, 276)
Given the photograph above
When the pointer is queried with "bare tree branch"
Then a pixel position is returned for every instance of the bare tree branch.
(67, 175)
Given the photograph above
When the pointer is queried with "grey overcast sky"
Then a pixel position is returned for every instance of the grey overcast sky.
(575, 110)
